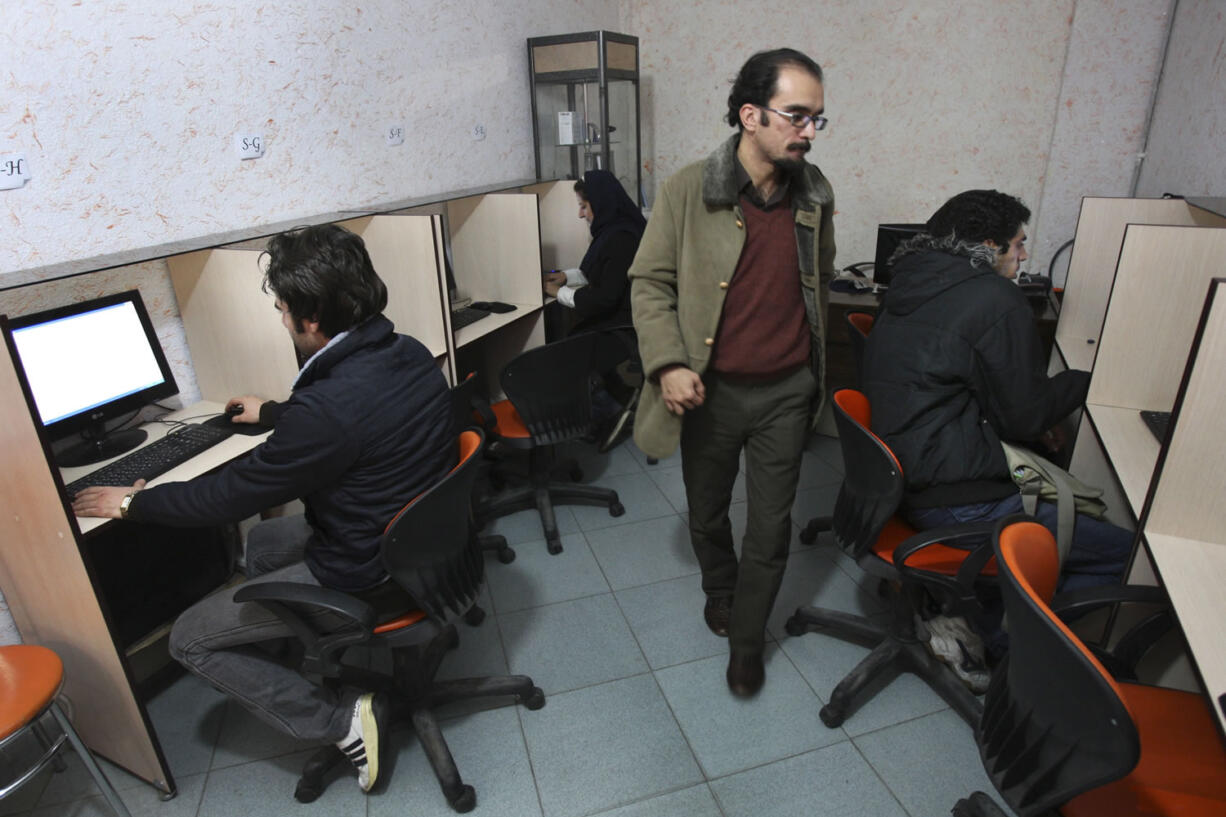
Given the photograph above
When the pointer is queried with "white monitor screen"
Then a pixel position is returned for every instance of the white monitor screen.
(80, 362)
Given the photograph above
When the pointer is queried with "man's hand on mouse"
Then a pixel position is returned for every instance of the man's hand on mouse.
(245, 409)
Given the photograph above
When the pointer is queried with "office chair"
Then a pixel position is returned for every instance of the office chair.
(909, 563)
(616, 345)
(428, 551)
(859, 324)
(1059, 732)
(548, 403)
(469, 410)
(30, 679)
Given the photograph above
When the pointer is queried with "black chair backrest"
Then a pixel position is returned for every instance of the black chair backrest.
(872, 479)
(1054, 725)
(549, 388)
(468, 410)
(859, 324)
(427, 550)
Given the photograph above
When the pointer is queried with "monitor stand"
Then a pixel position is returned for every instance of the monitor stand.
(99, 445)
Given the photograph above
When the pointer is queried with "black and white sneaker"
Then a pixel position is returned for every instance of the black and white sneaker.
(362, 745)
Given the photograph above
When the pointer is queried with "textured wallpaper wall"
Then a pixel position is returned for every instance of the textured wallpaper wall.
(127, 112)
(925, 99)
(1114, 59)
(1184, 153)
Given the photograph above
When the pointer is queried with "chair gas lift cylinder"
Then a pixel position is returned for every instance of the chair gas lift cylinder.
(585, 106)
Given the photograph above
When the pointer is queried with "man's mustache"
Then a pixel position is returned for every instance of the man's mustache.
(804, 146)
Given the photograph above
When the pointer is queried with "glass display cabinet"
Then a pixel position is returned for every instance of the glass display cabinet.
(585, 106)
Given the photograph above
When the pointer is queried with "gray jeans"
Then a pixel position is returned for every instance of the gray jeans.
(233, 646)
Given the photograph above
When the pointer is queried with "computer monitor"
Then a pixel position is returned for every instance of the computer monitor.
(889, 236)
(90, 362)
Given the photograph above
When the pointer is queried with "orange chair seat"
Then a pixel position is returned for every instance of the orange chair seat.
(509, 424)
(30, 677)
(934, 558)
(1182, 770)
(400, 622)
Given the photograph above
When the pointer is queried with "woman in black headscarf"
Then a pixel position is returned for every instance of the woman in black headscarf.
(598, 290)
(599, 293)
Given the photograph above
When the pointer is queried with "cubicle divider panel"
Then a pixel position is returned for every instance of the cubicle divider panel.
(52, 599)
(1185, 518)
(402, 250)
(234, 331)
(564, 236)
(1099, 237)
(1160, 287)
(495, 244)
(1188, 490)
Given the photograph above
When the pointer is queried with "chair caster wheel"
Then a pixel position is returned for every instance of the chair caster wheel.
(652, 461)
(474, 616)
(554, 546)
(466, 800)
(794, 627)
(535, 699)
(506, 555)
(831, 716)
(808, 537)
(616, 509)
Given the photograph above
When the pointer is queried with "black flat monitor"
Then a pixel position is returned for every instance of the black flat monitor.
(90, 362)
(889, 236)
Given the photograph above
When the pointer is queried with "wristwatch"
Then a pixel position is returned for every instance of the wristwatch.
(124, 504)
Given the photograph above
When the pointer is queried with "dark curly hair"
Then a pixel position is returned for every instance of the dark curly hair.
(755, 84)
(976, 216)
(324, 274)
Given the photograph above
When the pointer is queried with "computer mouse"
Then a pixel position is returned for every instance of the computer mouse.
(234, 410)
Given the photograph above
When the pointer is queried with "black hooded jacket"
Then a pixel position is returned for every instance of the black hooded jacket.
(617, 226)
(953, 366)
(366, 429)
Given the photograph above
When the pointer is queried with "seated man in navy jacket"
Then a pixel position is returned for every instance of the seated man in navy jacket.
(367, 427)
(954, 365)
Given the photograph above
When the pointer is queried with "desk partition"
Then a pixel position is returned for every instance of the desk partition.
(1092, 265)
(1184, 520)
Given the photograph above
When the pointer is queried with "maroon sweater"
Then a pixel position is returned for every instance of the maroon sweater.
(763, 332)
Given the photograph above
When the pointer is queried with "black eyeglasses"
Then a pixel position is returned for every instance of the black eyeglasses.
(800, 121)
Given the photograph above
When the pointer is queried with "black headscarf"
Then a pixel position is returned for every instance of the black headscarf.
(613, 212)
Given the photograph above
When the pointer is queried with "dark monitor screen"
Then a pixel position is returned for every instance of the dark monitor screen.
(90, 362)
(889, 236)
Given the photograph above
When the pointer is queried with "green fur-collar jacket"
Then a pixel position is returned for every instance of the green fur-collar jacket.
(687, 258)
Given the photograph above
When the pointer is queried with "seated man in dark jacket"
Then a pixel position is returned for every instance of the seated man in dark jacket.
(954, 365)
(367, 427)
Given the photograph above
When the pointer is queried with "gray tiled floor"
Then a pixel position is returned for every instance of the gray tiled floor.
(638, 723)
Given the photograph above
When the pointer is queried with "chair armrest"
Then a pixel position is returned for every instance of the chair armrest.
(959, 588)
(1121, 659)
(1076, 603)
(321, 650)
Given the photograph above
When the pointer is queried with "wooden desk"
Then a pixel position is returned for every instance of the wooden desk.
(51, 585)
(1184, 519)
(1162, 347)
(232, 448)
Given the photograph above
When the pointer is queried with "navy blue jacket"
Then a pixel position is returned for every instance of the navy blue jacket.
(367, 428)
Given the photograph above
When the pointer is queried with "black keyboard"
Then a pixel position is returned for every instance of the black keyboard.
(466, 315)
(1157, 422)
(155, 459)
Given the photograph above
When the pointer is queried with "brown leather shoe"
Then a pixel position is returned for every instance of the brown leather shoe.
(746, 674)
(718, 614)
